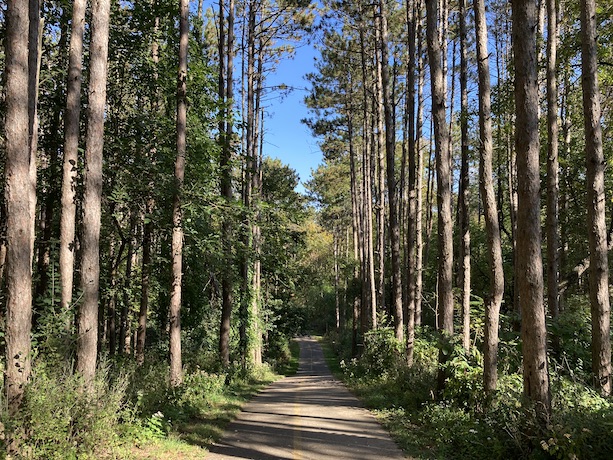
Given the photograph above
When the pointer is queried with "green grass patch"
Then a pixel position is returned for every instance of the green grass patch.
(290, 366)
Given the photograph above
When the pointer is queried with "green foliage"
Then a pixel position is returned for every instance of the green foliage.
(60, 419)
(463, 422)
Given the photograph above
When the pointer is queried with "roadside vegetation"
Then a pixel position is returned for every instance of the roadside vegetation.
(461, 422)
(131, 412)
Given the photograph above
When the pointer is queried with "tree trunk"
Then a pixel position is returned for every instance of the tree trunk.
(71, 154)
(411, 221)
(529, 267)
(176, 371)
(443, 158)
(111, 301)
(419, 246)
(126, 318)
(494, 250)
(141, 333)
(464, 192)
(226, 94)
(18, 206)
(597, 232)
(90, 257)
(390, 151)
(553, 189)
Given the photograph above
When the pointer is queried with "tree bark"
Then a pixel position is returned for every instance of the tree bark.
(226, 94)
(597, 232)
(18, 206)
(494, 247)
(141, 333)
(443, 159)
(90, 257)
(411, 221)
(464, 192)
(390, 153)
(553, 189)
(176, 371)
(529, 267)
(126, 320)
(419, 244)
(71, 155)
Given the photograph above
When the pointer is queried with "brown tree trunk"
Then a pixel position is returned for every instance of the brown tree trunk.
(90, 257)
(126, 320)
(71, 155)
(18, 206)
(553, 189)
(226, 93)
(141, 331)
(145, 283)
(419, 244)
(494, 250)
(390, 151)
(379, 176)
(464, 192)
(443, 159)
(176, 371)
(597, 231)
(529, 269)
(411, 220)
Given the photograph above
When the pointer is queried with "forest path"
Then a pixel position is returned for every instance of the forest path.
(307, 416)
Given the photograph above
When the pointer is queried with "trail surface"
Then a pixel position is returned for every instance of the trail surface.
(306, 416)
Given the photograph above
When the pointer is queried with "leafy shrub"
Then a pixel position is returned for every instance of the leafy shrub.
(381, 353)
(60, 419)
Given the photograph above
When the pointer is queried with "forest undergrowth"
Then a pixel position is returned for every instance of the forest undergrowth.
(131, 412)
(463, 422)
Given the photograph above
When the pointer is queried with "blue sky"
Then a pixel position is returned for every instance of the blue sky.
(285, 136)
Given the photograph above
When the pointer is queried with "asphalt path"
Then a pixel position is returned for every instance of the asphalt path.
(307, 416)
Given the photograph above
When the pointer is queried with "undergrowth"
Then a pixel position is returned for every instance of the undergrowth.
(131, 412)
(462, 422)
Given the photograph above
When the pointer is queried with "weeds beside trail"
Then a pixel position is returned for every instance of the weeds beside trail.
(462, 423)
(132, 413)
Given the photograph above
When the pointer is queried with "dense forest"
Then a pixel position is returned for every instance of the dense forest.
(451, 248)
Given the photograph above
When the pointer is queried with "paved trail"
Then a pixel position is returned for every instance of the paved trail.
(306, 416)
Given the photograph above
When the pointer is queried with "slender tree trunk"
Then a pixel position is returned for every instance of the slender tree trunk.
(226, 94)
(529, 267)
(597, 231)
(494, 250)
(411, 221)
(176, 371)
(355, 226)
(366, 231)
(141, 333)
(18, 206)
(111, 302)
(390, 150)
(419, 246)
(71, 155)
(35, 33)
(441, 136)
(380, 173)
(125, 323)
(464, 192)
(337, 309)
(553, 189)
(92, 197)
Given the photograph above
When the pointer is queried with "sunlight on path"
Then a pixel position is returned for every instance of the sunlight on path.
(307, 416)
